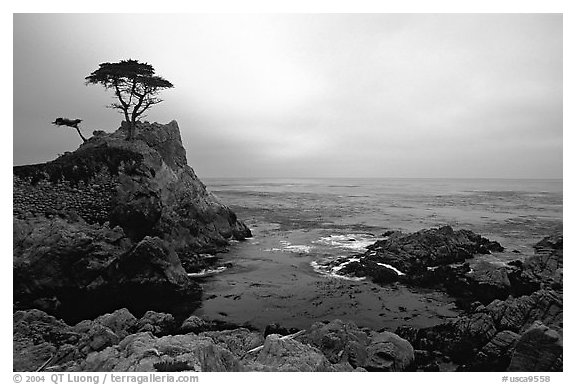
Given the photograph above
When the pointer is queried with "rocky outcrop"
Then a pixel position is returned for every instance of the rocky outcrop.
(112, 224)
(288, 355)
(539, 349)
(435, 257)
(76, 270)
(142, 352)
(414, 254)
(341, 342)
(542, 270)
(119, 341)
(518, 333)
(37, 337)
(150, 190)
(487, 338)
(344, 343)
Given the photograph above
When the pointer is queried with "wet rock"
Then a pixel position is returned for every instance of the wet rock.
(432, 247)
(487, 282)
(413, 258)
(542, 270)
(517, 314)
(539, 349)
(459, 339)
(495, 355)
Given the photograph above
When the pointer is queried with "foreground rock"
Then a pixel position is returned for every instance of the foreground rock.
(487, 339)
(539, 349)
(519, 333)
(119, 341)
(542, 270)
(112, 224)
(76, 270)
(344, 343)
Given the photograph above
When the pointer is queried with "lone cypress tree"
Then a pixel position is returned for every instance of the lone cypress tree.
(135, 85)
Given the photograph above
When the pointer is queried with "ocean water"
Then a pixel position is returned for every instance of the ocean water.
(305, 230)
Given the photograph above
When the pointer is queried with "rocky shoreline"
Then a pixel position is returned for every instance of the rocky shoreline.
(108, 239)
(519, 333)
(115, 224)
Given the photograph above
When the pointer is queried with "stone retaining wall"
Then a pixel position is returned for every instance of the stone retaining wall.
(91, 200)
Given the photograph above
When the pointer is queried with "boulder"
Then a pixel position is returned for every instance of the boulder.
(37, 337)
(389, 353)
(193, 324)
(487, 282)
(287, 355)
(156, 323)
(339, 341)
(495, 355)
(142, 352)
(238, 341)
(459, 339)
(278, 329)
(539, 349)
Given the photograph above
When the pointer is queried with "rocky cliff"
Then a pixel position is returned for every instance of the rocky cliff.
(112, 222)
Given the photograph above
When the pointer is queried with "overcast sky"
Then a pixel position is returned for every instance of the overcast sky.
(375, 95)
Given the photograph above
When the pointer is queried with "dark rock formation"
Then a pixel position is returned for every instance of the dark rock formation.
(413, 254)
(111, 224)
(434, 258)
(539, 349)
(389, 353)
(159, 324)
(543, 269)
(37, 337)
(77, 271)
(149, 190)
(344, 343)
(339, 341)
(487, 338)
(142, 352)
(116, 342)
(287, 355)
(522, 333)
(239, 341)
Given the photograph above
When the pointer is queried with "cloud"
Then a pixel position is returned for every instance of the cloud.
(313, 95)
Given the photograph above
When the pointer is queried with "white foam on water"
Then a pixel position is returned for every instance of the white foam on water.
(356, 242)
(299, 248)
(288, 247)
(206, 272)
(390, 267)
(332, 272)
